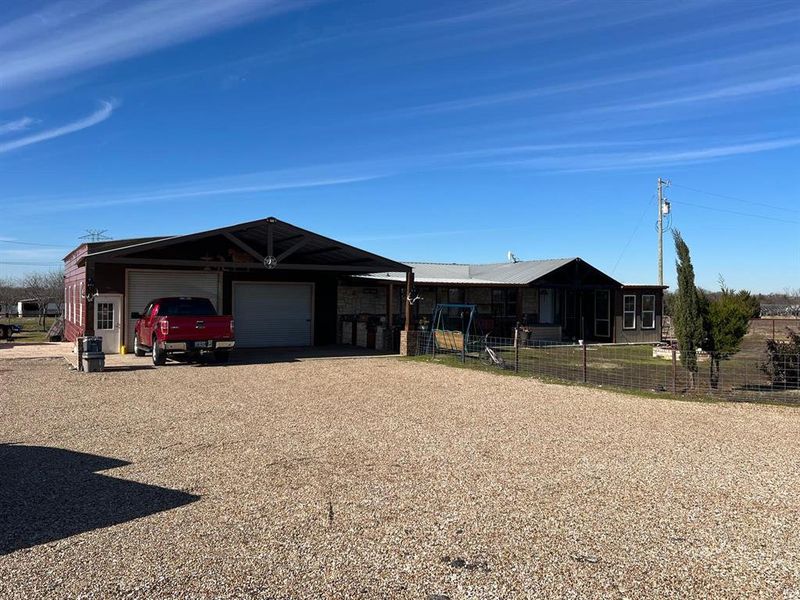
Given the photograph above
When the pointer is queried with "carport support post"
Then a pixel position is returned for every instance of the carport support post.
(516, 348)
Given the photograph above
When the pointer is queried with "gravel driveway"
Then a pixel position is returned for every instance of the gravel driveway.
(385, 478)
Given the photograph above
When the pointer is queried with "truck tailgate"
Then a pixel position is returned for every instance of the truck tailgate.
(185, 329)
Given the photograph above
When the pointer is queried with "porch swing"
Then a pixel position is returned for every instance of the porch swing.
(454, 329)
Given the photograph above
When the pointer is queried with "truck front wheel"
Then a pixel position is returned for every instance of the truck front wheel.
(159, 355)
(137, 350)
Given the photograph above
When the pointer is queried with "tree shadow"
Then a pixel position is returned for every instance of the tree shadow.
(48, 494)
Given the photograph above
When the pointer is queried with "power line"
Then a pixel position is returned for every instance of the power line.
(635, 229)
(29, 264)
(764, 204)
(2, 241)
(736, 212)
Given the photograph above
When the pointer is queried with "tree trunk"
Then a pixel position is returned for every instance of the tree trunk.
(714, 372)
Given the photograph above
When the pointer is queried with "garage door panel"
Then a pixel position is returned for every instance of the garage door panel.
(144, 286)
(272, 314)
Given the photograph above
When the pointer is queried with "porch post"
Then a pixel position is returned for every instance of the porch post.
(408, 338)
(408, 306)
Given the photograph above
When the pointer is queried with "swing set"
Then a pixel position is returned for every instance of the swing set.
(454, 329)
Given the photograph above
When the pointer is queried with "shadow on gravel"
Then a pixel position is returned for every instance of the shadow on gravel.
(48, 494)
(128, 368)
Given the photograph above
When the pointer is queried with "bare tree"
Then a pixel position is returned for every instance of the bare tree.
(9, 294)
(44, 289)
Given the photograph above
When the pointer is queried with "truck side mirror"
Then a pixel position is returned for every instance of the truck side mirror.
(136, 315)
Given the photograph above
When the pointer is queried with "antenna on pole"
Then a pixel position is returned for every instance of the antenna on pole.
(663, 209)
(95, 235)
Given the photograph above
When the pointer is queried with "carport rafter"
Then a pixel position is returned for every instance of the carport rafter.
(244, 246)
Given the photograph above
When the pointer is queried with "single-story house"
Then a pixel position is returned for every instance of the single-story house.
(280, 282)
(556, 299)
(286, 286)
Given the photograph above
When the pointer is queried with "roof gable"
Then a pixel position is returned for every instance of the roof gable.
(249, 245)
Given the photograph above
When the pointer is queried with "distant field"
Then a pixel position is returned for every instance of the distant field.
(31, 330)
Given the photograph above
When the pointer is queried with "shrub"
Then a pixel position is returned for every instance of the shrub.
(783, 361)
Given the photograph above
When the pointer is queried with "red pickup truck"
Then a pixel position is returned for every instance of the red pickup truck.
(188, 326)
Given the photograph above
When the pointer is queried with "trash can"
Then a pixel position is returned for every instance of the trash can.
(91, 343)
(92, 362)
(91, 357)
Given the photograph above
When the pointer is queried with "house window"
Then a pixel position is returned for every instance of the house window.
(455, 295)
(648, 311)
(504, 302)
(602, 313)
(629, 312)
(105, 315)
(547, 305)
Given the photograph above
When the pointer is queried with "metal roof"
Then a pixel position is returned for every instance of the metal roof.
(518, 273)
(257, 237)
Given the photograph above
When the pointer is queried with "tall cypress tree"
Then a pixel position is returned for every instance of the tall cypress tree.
(686, 312)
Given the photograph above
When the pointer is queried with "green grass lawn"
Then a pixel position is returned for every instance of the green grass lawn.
(634, 367)
(31, 330)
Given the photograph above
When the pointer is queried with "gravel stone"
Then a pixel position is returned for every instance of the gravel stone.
(353, 478)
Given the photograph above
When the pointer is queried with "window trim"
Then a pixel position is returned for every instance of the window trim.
(653, 311)
(608, 313)
(81, 296)
(627, 312)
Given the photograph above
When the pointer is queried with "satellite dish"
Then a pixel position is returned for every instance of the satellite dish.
(512, 258)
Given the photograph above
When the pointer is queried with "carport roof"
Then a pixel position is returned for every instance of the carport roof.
(254, 244)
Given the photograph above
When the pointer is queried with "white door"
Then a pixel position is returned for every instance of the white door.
(273, 314)
(108, 321)
(146, 285)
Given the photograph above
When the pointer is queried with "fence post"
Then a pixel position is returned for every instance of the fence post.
(674, 370)
(773, 330)
(585, 377)
(516, 348)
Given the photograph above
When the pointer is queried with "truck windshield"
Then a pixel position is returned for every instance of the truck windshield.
(187, 307)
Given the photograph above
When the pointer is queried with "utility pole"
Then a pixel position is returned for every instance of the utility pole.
(661, 184)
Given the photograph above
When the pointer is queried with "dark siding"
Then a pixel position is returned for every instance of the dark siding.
(638, 334)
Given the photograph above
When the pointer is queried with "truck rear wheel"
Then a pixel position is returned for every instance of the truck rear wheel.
(222, 356)
(159, 355)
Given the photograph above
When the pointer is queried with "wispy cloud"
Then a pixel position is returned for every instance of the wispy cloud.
(758, 59)
(76, 36)
(621, 161)
(236, 185)
(15, 126)
(740, 90)
(101, 114)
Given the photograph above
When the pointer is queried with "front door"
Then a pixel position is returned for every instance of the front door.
(107, 323)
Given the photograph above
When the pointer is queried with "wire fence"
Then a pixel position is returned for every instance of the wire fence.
(656, 368)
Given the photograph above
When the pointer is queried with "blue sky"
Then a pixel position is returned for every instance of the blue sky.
(448, 131)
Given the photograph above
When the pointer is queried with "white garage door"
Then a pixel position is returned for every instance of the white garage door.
(144, 286)
(272, 314)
